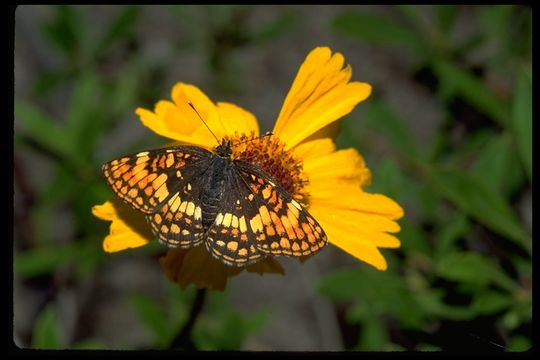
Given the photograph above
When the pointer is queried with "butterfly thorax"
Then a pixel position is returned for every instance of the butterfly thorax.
(224, 149)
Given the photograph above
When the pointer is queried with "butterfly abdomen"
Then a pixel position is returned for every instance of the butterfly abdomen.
(211, 198)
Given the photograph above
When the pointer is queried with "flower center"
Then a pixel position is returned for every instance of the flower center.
(269, 154)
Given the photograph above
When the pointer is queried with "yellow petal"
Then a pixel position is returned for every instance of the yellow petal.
(170, 125)
(320, 95)
(359, 242)
(369, 222)
(196, 266)
(178, 121)
(128, 229)
(352, 197)
(367, 229)
(236, 119)
(314, 149)
(345, 164)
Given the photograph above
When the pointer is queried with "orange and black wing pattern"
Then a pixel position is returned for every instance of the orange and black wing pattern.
(258, 218)
(162, 184)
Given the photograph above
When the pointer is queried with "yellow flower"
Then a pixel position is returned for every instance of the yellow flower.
(301, 155)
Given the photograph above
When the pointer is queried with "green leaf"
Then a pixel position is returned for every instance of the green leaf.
(520, 343)
(124, 91)
(84, 121)
(377, 29)
(432, 303)
(389, 179)
(83, 102)
(89, 255)
(379, 289)
(214, 329)
(466, 267)
(496, 167)
(473, 268)
(522, 120)
(413, 238)
(153, 316)
(380, 117)
(498, 24)
(490, 302)
(41, 260)
(446, 16)
(122, 27)
(51, 80)
(450, 232)
(460, 82)
(482, 203)
(463, 155)
(46, 329)
(42, 129)
(60, 188)
(66, 31)
(374, 334)
(511, 320)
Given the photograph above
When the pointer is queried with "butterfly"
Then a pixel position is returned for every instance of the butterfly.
(191, 195)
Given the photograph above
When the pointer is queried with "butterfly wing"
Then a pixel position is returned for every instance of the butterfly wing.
(160, 184)
(258, 217)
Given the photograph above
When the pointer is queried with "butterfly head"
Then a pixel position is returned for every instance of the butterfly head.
(224, 149)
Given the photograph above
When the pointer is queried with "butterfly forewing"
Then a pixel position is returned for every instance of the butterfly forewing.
(163, 184)
(259, 217)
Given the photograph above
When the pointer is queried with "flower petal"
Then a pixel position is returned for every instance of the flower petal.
(268, 265)
(236, 119)
(353, 238)
(196, 266)
(355, 199)
(178, 121)
(368, 222)
(320, 94)
(345, 164)
(314, 149)
(128, 228)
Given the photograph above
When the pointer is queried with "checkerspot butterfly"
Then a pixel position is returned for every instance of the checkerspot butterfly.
(191, 195)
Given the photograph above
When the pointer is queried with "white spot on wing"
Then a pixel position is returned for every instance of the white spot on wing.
(296, 204)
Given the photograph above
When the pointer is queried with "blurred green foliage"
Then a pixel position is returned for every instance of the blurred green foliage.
(99, 69)
(462, 236)
(465, 238)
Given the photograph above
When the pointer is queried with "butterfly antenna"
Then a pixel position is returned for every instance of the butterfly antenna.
(269, 133)
(204, 122)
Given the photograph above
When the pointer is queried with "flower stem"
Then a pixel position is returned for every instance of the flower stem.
(182, 340)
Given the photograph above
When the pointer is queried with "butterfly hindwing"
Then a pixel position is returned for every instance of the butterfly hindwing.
(178, 222)
(230, 238)
(259, 217)
(282, 225)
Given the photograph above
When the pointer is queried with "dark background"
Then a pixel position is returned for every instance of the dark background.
(446, 132)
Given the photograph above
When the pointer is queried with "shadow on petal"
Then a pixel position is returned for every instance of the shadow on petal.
(196, 266)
